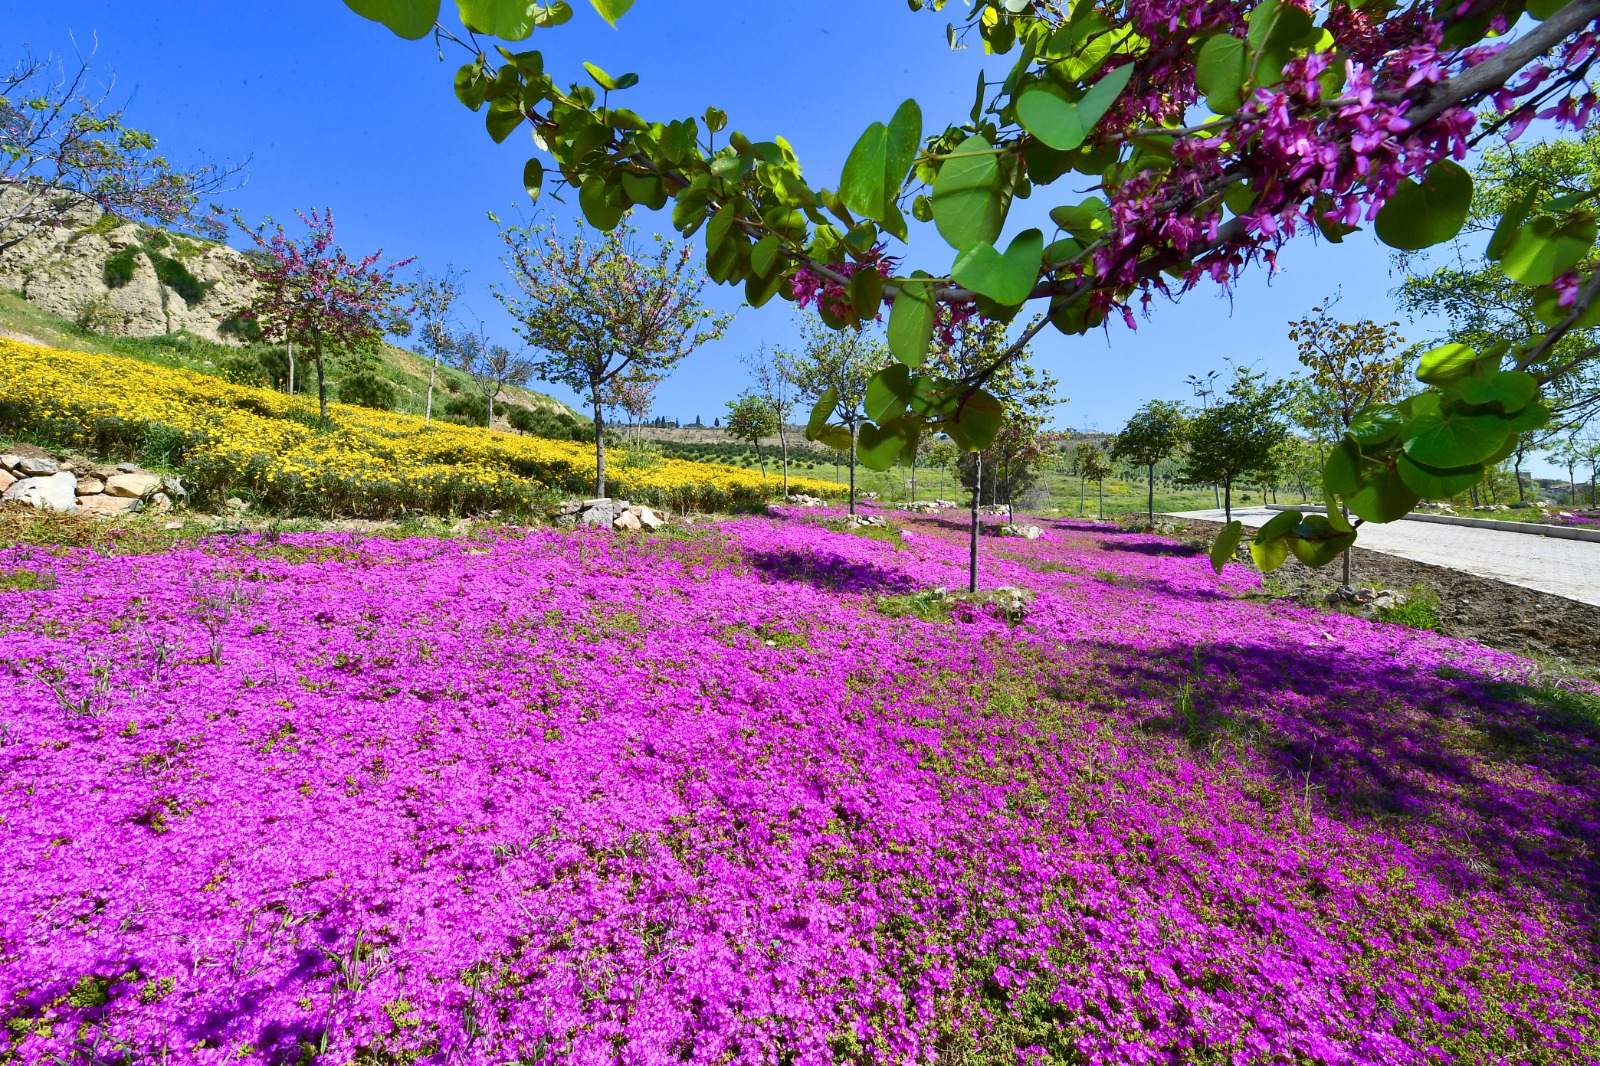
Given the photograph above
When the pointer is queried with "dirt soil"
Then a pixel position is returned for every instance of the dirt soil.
(1502, 616)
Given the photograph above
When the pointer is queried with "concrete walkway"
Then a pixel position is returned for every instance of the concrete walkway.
(1569, 568)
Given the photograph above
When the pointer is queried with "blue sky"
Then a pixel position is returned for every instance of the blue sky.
(337, 112)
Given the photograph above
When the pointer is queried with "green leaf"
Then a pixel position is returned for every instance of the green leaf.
(509, 20)
(1006, 279)
(1062, 124)
(866, 293)
(1321, 540)
(758, 290)
(911, 320)
(1446, 363)
(1376, 425)
(502, 119)
(879, 162)
(836, 437)
(601, 78)
(470, 85)
(976, 423)
(1510, 390)
(878, 446)
(1088, 219)
(533, 178)
(600, 203)
(1226, 544)
(1382, 497)
(821, 412)
(764, 257)
(1422, 214)
(612, 10)
(1431, 483)
(1543, 250)
(1534, 416)
(1341, 472)
(968, 207)
(1221, 71)
(1269, 556)
(1543, 9)
(645, 189)
(1509, 223)
(716, 119)
(888, 392)
(411, 19)
(1441, 441)
(1279, 525)
(1547, 308)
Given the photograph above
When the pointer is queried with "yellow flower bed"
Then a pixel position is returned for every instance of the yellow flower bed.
(231, 438)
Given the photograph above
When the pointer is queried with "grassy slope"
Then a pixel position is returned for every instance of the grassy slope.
(406, 370)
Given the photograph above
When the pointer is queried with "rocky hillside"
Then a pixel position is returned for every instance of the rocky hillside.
(123, 279)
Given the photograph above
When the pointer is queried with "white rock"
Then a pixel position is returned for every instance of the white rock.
(9, 461)
(58, 492)
(35, 467)
(127, 468)
(106, 506)
(160, 503)
(626, 520)
(133, 486)
(650, 520)
(90, 486)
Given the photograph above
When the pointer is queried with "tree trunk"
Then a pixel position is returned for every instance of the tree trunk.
(1517, 469)
(490, 424)
(291, 366)
(322, 381)
(1152, 494)
(783, 443)
(913, 477)
(1082, 488)
(599, 448)
(433, 372)
(1101, 484)
(852, 469)
(762, 459)
(977, 499)
(1227, 501)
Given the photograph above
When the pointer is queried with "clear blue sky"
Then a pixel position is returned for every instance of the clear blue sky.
(337, 112)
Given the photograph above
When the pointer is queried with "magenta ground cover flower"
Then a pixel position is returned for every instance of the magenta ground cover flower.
(572, 797)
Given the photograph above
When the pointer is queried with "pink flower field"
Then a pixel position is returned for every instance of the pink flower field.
(756, 794)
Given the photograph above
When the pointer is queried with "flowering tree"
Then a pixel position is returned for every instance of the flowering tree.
(60, 145)
(310, 292)
(601, 311)
(1320, 120)
(434, 297)
(634, 394)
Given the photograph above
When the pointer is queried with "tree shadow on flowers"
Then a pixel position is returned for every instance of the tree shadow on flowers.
(829, 571)
(1498, 782)
(1152, 548)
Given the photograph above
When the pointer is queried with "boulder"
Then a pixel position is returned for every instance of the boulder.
(626, 520)
(175, 488)
(1017, 529)
(133, 486)
(127, 468)
(597, 513)
(57, 492)
(160, 503)
(650, 520)
(233, 505)
(34, 467)
(106, 506)
(90, 486)
(9, 461)
(6, 480)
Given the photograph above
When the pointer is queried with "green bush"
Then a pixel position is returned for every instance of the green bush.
(368, 390)
(175, 276)
(242, 327)
(119, 268)
(553, 425)
(466, 410)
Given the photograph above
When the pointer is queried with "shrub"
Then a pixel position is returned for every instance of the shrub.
(368, 390)
(175, 275)
(120, 267)
(97, 316)
(539, 422)
(466, 411)
(241, 327)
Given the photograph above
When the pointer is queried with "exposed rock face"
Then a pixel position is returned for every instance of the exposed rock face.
(56, 492)
(63, 270)
(132, 486)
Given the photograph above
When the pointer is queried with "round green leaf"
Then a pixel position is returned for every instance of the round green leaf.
(821, 412)
(411, 19)
(1434, 484)
(976, 423)
(1432, 211)
(1279, 525)
(878, 446)
(1226, 544)
(611, 10)
(1543, 249)
(877, 165)
(1270, 555)
(888, 391)
(1510, 390)
(600, 203)
(968, 207)
(1341, 473)
(1221, 71)
(1006, 279)
(1547, 309)
(911, 320)
(1321, 540)
(1382, 496)
(1376, 425)
(1445, 441)
(1446, 363)
(533, 178)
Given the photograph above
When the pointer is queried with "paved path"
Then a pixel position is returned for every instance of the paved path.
(1569, 568)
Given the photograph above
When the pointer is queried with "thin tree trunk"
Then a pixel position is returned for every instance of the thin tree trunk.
(322, 381)
(291, 366)
(1517, 469)
(762, 459)
(1102, 484)
(1227, 501)
(977, 499)
(1152, 494)
(433, 372)
(852, 469)
(913, 477)
(783, 443)
(599, 448)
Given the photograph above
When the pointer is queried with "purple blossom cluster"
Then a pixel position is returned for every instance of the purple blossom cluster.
(544, 796)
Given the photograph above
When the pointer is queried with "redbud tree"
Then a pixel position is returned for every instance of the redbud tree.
(310, 292)
(1213, 132)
